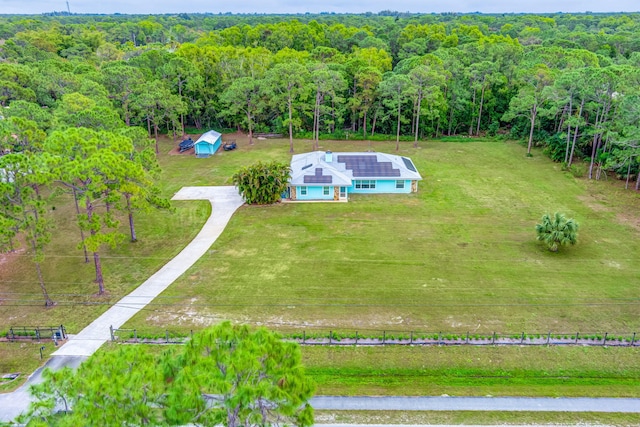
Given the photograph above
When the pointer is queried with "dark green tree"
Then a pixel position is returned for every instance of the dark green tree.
(252, 378)
(225, 375)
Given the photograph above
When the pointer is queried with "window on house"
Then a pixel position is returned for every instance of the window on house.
(399, 184)
(325, 191)
(365, 184)
(303, 191)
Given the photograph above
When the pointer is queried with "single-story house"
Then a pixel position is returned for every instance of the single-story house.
(333, 176)
(208, 144)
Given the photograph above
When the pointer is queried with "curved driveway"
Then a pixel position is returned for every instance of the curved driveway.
(224, 202)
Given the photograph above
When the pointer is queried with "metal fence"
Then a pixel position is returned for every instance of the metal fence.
(373, 338)
(35, 333)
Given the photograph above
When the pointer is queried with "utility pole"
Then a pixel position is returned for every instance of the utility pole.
(68, 8)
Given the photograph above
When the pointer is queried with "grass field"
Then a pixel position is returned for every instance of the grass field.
(476, 418)
(21, 358)
(474, 371)
(460, 255)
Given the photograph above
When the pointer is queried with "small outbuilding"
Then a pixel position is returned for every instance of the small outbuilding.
(208, 144)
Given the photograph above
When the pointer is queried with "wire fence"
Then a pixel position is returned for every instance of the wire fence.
(377, 338)
(34, 333)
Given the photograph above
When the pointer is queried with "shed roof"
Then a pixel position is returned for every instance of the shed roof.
(209, 137)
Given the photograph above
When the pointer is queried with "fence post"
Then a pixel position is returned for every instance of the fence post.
(304, 336)
(64, 332)
(166, 331)
(633, 339)
(135, 335)
(522, 338)
(384, 336)
(37, 334)
(356, 337)
(13, 335)
(329, 337)
(577, 336)
(604, 341)
(411, 337)
(467, 342)
(493, 338)
(111, 332)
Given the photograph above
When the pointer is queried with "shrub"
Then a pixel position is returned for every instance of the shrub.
(555, 230)
(262, 183)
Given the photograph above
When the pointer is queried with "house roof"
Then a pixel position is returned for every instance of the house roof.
(341, 168)
(209, 137)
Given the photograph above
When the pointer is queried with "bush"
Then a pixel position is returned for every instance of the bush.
(555, 230)
(262, 183)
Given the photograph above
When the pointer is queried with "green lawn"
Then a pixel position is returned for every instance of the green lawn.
(475, 371)
(458, 256)
(22, 358)
(476, 418)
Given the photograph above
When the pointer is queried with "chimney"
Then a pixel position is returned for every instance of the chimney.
(328, 157)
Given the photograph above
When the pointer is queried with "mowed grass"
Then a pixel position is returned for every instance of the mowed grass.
(71, 282)
(22, 358)
(476, 418)
(474, 371)
(458, 256)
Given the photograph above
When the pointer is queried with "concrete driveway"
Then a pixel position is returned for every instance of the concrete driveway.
(224, 202)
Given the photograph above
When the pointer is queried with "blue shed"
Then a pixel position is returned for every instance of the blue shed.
(208, 144)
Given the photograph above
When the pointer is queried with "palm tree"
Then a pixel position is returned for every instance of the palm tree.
(557, 230)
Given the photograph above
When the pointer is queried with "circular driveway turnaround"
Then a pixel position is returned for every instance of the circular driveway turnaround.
(224, 202)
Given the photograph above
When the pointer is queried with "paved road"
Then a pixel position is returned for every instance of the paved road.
(536, 404)
(224, 201)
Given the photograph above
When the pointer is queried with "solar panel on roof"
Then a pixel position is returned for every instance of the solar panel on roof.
(318, 178)
(409, 164)
(368, 165)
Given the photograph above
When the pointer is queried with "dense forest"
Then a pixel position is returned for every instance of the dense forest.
(567, 82)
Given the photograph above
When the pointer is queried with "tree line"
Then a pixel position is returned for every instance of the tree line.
(565, 81)
(84, 95)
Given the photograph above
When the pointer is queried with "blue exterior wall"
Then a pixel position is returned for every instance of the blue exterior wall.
(383, 186)
(315, 193)
(204, 147)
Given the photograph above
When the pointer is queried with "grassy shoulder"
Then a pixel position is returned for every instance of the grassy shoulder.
(21, 358)
(475, 371)
(475, 418)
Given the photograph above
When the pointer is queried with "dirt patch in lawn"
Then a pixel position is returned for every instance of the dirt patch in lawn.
(629, 219)
(594, 203)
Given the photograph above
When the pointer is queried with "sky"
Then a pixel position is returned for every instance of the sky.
(315, 6)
